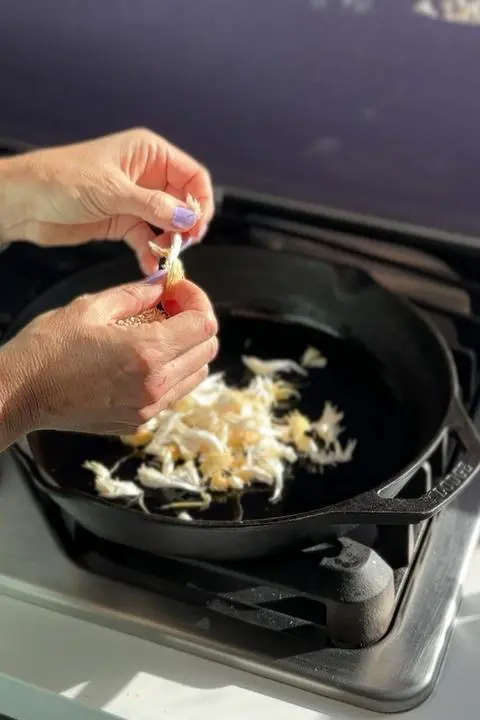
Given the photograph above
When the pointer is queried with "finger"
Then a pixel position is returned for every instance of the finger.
(179, 334)
(122, 301)
(181, 367)
(174, 191)
(178, 174)
(185, 295)
(197, 233)
(155, 207)
(137, 234)
(185, 173)
(138, 238)
(195, 236)
(177, 392)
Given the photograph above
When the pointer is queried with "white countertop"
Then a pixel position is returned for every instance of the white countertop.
(132, 678)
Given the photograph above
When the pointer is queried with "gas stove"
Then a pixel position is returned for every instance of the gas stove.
(365, 619)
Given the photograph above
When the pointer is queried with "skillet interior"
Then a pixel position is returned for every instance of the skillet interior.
(389, 392)
(351, 380)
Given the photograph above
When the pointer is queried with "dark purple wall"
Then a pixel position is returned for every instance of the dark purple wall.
(375, 111)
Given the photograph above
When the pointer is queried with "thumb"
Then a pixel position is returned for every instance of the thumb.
(125, 300)
(157, 208)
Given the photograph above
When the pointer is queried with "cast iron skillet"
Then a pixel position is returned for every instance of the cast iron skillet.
(388, 369)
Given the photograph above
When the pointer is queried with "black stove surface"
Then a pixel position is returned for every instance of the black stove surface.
(342, 594)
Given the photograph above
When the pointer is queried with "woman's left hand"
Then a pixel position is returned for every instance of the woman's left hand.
(114, 187)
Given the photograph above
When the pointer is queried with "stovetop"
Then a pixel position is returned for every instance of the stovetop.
(365, 619)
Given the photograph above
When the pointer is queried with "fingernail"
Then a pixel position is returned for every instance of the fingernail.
(183, 218)
(155, 277)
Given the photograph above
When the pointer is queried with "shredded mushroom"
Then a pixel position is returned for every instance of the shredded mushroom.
(272, 367)
(173, 270)
(173, 265)
(221, 440)
(111, 488)
(313, 358)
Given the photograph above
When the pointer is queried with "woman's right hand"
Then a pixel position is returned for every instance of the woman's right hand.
(75, 369)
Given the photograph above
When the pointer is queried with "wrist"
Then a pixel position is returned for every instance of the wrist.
(17, 401)
(13, 210)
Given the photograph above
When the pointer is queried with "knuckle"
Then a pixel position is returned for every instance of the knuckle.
(149, 410)
(212, 349)
(207, 324)
(47, 317)
(205, 175)
(142, 359)
(155, 386)
(203, 374)
(110, 191)
(212, 318)
(156, 203)
(201, 326)
(82, 300)
(83, 305)
(183, 389)
(133, 291)
(149, 394)
(143, 415)
(143, 134)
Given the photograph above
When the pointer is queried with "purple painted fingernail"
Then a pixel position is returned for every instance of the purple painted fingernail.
(155, 277)
(184, 218)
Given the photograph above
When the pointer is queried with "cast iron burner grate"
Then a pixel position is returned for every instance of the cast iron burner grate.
(341, 594)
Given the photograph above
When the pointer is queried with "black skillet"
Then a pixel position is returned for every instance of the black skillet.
(388, 369)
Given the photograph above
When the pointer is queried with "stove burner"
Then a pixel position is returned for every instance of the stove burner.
(346, 619)
(340, 594)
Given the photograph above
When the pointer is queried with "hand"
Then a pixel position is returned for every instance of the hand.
(75, 369)
(113, 187)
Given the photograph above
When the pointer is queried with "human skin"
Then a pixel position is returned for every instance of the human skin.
(75, 368)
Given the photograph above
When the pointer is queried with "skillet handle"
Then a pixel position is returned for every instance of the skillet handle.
(372, 507)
